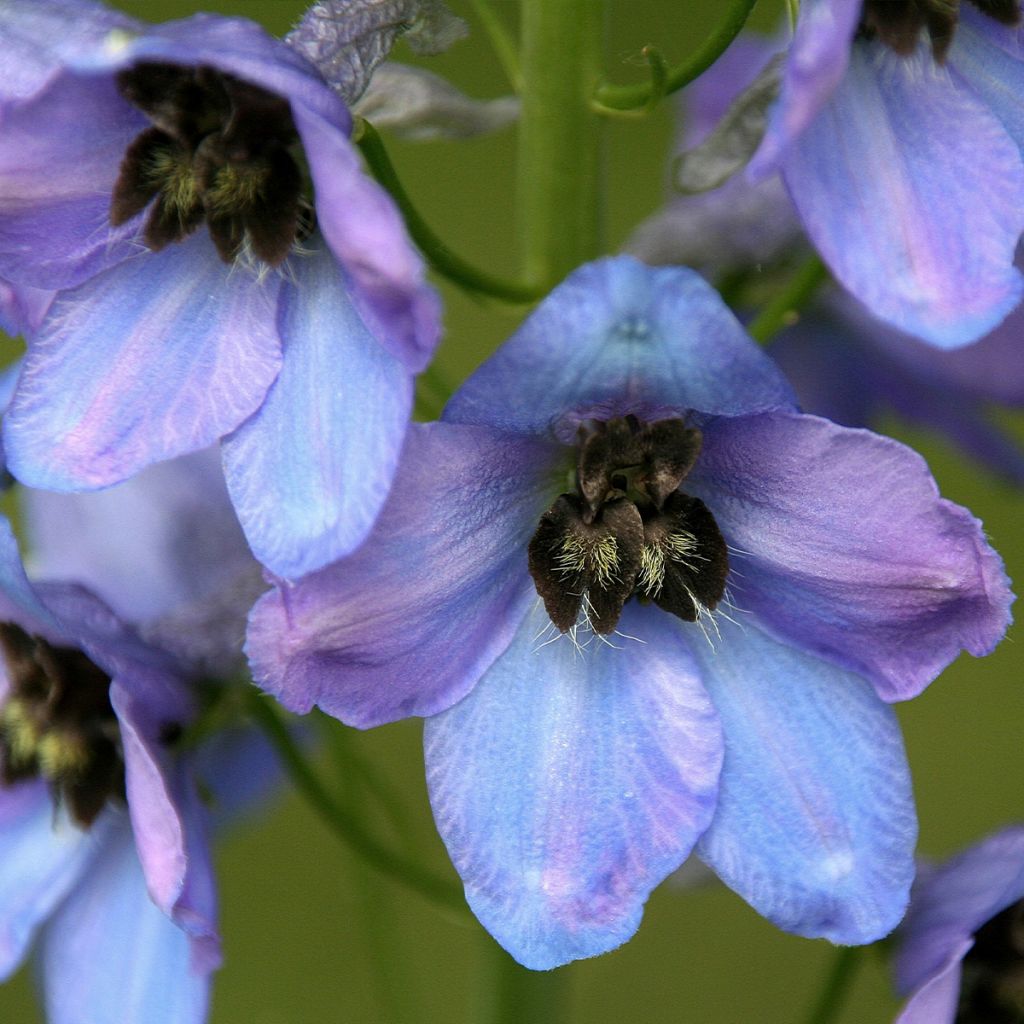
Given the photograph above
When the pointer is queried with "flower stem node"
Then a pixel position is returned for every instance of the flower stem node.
(628, 530)
(218, 151)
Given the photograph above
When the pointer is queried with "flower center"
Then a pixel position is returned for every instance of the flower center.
(898, 23)
(992, 989)
(58, 724)
(218, 151)
(628, 530)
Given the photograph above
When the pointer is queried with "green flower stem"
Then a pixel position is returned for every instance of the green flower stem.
(786, 307)
(501, 40)
(510, 994)
(636, 97)
(438, 255)
(837, 985)
(342, 822)
(560, 172)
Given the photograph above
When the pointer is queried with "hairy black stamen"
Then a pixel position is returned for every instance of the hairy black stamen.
(629, 531)
(220, 151)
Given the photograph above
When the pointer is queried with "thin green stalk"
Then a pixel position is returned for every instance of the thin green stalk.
(501, 41)
(341, 821)
(635, 97)
(785, 308)
(559, 191)
(510, 994)
(837, 985)
(438, 255)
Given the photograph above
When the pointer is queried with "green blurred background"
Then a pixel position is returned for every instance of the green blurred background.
(313, 935)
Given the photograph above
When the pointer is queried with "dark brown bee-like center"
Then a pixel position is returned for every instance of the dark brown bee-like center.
(899, 23)
(219, 151)
(57, 723)
(628, 530)
(992, 986)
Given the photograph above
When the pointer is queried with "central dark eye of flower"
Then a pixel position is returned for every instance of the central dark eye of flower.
(628, 529)
(218, 151)
(58, 724)
(898, 23)
(992, 989)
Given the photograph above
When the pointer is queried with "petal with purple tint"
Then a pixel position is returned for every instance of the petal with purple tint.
(568, 784)
(43, 856)
(167, 537)
(816, 63)
(955, 900)
(365, 231)
(913, 193)
(310, 470)
(615, 337)
(22, 307)
(409, 622)
(60, 152)
(844, 547)
(935, 1002)
(109, 956)
(815, 823)
(18, 599)
(155, 358)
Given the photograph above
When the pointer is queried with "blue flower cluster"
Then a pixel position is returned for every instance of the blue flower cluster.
(648, 606)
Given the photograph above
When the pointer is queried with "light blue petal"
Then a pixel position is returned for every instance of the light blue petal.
(18, 599)
(409, 622)
(42, 855)
(309, 472)
(815, 825)
(615, 337)
(109, 956)
(157, 357)
(913, 193)
(569, 783)
(990, 58)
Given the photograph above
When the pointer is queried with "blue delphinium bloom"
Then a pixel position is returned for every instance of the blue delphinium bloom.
(105, 866)
(161, 179)
(898, 133)
(630, 440)
(961, 957)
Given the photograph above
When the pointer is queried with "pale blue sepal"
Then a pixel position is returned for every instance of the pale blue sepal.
(309, 471)
(42, 855)
(617, 337)
(158, 357)
(815, 825)
(570, 782)
(109, 956)
(913, 193)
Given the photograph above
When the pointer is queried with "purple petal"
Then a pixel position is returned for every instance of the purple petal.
(22, 307)
(815, 824)
(162, 540)
(43, 856)
(407, 624)
(155, 358)
(309, 472)
(366, 232)
(109, 956)
(55, 182)
(816, 63)
(568, 784)
(955, 900)
(18, 599)
(616, 337)
(844, 547)
(935, 1002)
(932, 197)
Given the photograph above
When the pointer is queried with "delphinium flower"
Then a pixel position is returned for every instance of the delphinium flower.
(224, 269)
(106, 865)
(961, 957)
(898, 133)
(647, 606)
